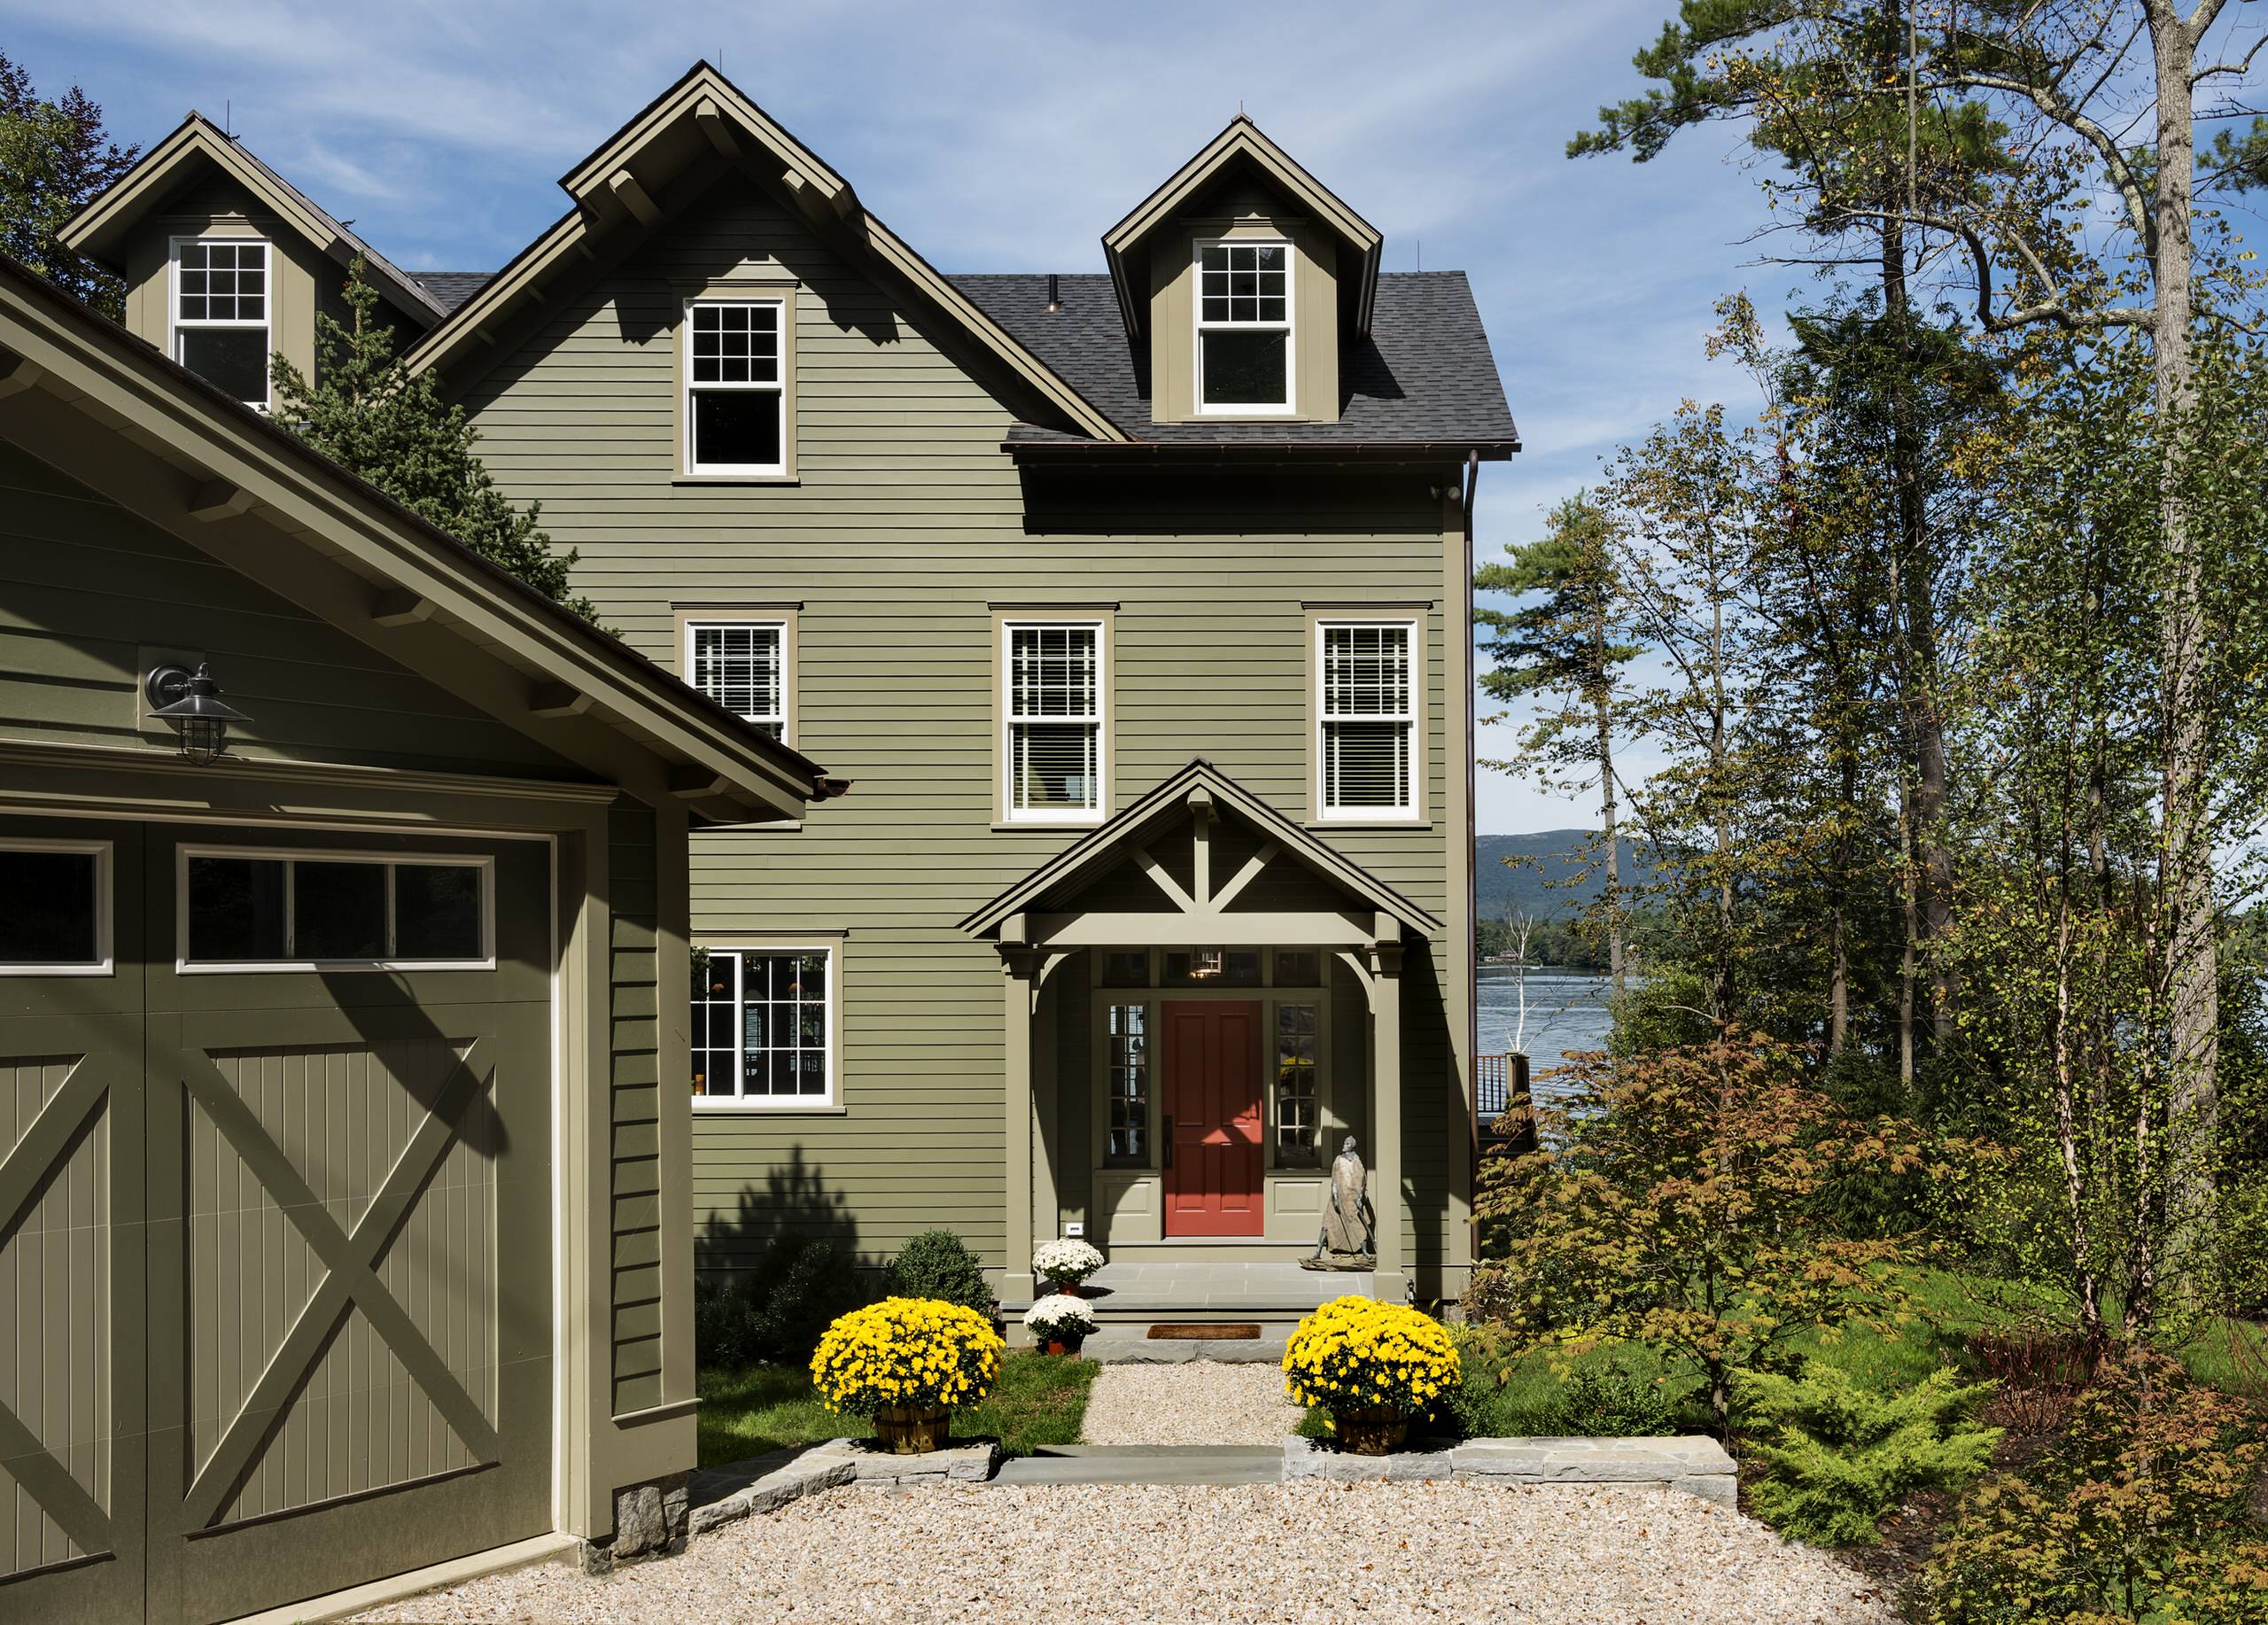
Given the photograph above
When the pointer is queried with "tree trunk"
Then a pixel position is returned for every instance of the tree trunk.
(2186, 880)
(1917, 575)
(1607, 809)
(1838, 982)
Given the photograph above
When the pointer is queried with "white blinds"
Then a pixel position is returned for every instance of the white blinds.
(1367, 718)
(739, 667)
(1055, 719)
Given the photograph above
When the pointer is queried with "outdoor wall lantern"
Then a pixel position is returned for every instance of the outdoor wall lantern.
(193, 702)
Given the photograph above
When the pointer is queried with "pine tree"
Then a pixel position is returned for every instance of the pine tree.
(54, 157)
(1559, 650)
(367, 412)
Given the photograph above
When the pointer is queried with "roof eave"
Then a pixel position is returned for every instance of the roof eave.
(93, 233)
(1100, 846)
(1249, 451)
(751, 769)
(726, 113)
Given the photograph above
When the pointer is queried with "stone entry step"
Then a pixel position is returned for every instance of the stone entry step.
(1146, 1464)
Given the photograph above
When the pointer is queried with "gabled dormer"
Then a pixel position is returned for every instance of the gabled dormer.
(1242, 281)
(226, 262)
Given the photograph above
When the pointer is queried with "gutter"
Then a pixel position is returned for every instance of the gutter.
(1229, 451)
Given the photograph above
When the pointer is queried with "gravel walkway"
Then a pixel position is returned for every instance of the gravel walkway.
(1201, 1403)
(1274, 1553)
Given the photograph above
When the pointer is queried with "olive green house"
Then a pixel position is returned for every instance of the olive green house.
(1132, 601)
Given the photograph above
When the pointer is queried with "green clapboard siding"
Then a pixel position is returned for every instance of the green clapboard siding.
(86, 586)
(907, 524)
(636, 1147)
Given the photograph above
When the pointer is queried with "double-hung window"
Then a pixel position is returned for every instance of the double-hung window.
(1366, 719)
(1053, 709)
(221, 308)
(1244, 326)
(735, 382)
(764, 1026)
(741, 665)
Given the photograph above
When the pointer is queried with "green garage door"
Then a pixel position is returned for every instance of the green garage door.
(275, 1237)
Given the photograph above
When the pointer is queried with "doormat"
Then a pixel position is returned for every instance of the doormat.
(1244, 1331)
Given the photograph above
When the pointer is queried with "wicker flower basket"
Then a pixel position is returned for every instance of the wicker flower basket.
(913, 1430)
(1370, 1431)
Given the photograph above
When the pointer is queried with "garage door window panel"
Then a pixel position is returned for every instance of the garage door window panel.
(334, 911)
(55, 908)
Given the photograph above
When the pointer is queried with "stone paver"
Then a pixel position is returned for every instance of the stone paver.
(1146, 1464)
(1694, 1463)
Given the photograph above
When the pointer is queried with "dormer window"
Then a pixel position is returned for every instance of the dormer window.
(1244, 326)
(220, 289)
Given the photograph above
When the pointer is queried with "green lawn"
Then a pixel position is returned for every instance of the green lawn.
(1040, 1399)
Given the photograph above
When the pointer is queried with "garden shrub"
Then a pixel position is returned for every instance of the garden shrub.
(1839, 1454)
(777, 1313)
(1611, 1403)
(2138, 1511)
(938, 1264)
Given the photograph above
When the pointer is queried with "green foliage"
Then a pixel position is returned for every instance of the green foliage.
(2138, 1512)
(55, 157)
(938, 1264)
(365, 410)
(799, 1286)
(1840, 1455)
(1681, 1201)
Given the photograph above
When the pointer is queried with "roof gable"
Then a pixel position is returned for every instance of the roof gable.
(81, 394)
(1241, 146)
(99, 230)
(1200, 790)
(703, 118)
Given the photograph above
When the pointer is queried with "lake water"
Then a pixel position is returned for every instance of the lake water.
(1566, 1010)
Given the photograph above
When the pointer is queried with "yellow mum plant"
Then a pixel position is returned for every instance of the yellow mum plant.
(1357, 1354)
(919, 1353)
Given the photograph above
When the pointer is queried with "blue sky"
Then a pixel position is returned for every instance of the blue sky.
(1007, 137)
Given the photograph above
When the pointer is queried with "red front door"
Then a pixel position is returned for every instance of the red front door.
(1212, 1102)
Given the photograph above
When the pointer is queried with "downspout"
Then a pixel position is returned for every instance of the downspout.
(1471, 862)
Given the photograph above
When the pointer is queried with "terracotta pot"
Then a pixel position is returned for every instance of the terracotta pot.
(913, 1430)
(1370, 1431)
(1066, 1345)
(1068, 1289)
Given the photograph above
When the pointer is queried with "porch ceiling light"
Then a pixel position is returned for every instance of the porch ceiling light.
(1205, 963)
(192, 699)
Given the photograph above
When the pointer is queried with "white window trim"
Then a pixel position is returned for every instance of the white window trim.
(777, 386)
(777, 626)
(1009, 810)
(267, 324)
(104, 962)
(788, 1104)
(1410, 812)
(184, 965)
(1198, 327)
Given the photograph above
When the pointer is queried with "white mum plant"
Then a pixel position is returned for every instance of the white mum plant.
(1065, 1260)
(1060, 1317)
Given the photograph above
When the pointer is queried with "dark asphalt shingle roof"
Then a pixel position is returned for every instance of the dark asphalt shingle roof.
(450, 289)
(1424, 375)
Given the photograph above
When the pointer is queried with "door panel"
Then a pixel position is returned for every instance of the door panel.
(1212, 1097)
(352, 1165)
(70, 1278)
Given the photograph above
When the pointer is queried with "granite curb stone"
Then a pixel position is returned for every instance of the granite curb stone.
(1695, 1464)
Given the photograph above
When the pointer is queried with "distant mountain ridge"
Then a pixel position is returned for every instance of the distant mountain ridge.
(1548, 875)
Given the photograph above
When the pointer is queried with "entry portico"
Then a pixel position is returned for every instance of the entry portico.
(1201, 999)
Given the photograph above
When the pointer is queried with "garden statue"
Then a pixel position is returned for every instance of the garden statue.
(1346, 1240)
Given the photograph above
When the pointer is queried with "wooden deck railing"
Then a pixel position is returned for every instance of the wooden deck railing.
(1500, 1103)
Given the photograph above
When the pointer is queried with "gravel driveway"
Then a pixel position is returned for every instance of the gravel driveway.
(1273, 1553)
(1201, 1403)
